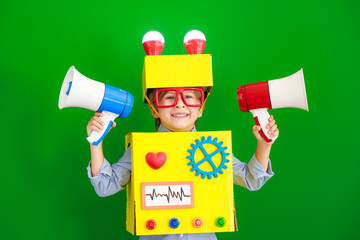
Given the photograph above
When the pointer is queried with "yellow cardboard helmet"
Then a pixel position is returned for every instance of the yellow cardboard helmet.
(193, 70)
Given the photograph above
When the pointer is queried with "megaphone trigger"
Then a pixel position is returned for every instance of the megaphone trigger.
(261, 117)
(108, 118)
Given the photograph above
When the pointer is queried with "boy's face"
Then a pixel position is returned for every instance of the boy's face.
(180, 116)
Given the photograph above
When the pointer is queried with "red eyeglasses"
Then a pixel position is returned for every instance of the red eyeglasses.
(168, 97)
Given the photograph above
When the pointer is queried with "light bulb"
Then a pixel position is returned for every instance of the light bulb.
(194, 42)
(153, 43)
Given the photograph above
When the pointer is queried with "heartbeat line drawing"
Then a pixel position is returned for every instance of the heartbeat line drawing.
(169, 195)
(161, 195)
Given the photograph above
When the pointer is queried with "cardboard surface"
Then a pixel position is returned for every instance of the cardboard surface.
(177, 71)
(211, 198)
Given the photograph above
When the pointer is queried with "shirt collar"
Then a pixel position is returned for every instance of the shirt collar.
(164, 129)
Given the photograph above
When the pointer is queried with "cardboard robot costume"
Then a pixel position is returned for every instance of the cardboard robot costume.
(178, 176)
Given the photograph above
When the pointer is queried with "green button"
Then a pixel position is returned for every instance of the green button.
(220, 222)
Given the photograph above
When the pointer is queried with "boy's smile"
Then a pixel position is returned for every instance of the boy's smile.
(179, 115)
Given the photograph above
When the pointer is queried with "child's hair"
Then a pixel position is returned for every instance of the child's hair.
(151, 96)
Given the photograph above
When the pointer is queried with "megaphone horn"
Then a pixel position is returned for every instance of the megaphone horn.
(289, 92)
(80, 91)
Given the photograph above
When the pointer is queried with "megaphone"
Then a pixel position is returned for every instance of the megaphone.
(279, 93)
(80, 91)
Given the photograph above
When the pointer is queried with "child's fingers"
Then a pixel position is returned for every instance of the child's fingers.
(114, 124)
(99, 114)
(275, 133)
(256, 131)
(98, 119)
(256, 128)
(95, 128)
(270, 123)
(96, 122)
(272, 129)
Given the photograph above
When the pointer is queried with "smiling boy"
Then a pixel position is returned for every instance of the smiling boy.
(176, 88)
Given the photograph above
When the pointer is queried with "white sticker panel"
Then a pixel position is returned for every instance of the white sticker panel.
(167, 195)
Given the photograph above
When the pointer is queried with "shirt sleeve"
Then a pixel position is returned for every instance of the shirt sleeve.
(112, 178)
(251, 176)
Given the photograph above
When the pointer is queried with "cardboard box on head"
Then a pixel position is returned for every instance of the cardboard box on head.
(169, 71)
(181, 182)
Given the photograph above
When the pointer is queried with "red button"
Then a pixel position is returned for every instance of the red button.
(151, 224)
(198, 222)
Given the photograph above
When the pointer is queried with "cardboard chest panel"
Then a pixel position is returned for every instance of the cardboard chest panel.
(192, 189)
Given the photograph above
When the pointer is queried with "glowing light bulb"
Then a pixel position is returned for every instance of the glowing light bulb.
(194, 42)
(153, 43)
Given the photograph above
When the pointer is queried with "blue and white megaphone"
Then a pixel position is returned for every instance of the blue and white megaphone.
(80, 91)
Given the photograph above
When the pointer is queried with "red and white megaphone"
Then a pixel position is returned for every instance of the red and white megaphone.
(280, 93)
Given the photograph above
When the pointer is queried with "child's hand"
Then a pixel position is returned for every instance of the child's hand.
(96, 124)
(272, 129)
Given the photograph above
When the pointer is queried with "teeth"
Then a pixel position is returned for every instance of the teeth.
(180, 115)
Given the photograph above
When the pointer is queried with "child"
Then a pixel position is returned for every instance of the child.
(176, 109)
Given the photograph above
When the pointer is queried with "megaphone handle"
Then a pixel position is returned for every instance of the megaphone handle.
(96, 137)
(261, 117)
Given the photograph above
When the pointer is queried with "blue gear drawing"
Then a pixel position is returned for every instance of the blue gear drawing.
(216, 169)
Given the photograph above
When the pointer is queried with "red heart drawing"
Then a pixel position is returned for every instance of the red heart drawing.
(155, 161)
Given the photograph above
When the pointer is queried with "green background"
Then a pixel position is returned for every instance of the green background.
(45, 191)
